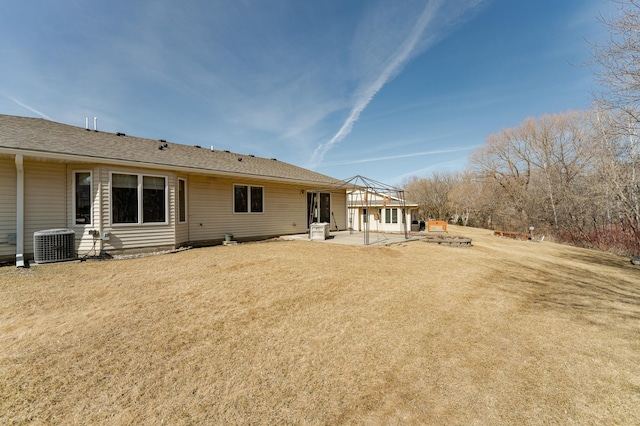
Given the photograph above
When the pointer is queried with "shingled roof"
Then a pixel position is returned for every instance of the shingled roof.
(37, 136)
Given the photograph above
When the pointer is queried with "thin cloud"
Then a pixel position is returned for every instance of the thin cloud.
(33, 110)
(451, 165)
(228, 75)
(416, 42)
(398, 156)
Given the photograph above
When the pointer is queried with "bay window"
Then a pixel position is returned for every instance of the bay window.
(132, 194)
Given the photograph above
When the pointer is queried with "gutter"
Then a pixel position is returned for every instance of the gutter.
(19, 212)
(162, 166)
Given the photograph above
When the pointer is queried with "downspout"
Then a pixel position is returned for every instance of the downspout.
(19, 212)
(100, 224)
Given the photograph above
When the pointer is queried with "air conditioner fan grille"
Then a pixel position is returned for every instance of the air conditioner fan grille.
(54, 245)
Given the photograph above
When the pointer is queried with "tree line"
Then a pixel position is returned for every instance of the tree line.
(573, 176)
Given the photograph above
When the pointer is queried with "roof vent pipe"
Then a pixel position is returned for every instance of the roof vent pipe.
(86, 123)
(95, 124)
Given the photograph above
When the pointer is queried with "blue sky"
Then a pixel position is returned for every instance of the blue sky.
(386, 89)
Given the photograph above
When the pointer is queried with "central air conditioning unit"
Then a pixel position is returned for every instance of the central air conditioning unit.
(54, 245)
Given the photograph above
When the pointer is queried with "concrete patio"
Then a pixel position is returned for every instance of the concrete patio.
(355, 238)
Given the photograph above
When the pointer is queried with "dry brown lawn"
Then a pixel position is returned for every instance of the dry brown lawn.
(504, 332)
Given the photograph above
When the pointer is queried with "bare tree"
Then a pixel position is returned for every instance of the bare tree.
(506, 161)
(432, 195)
(618, 70)
(541, 168)
(464, 197)
(618, 171)
(562, 149)
(576, 174)
(617, 67)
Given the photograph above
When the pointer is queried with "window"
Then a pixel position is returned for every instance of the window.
(248, 199)
(153, 199)
(131, 194)
(182, 200)
(391, 216)
(325, 207)
(256, 199)
(82, 197)
(240, 199)
(124, 194)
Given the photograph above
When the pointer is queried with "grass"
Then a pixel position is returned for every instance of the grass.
(504, 332)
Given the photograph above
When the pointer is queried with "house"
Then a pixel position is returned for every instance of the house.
(121, 193)
(380, 211)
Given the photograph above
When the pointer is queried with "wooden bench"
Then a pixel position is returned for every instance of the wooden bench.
(436, 226)
(512, 235)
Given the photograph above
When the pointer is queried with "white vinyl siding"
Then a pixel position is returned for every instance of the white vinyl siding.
(49, 204)
(211, 210)
(7, 206)
(45, 196)
(339, 209)
(387, 221)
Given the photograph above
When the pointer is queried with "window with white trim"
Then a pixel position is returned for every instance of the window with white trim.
(138, 199)
(248, 199)
(82, 198)
(153, 199)
(391, 216)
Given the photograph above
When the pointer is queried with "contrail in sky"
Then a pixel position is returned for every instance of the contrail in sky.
(400, 58)
(414, 41)
(33, 110)
(395, 157)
